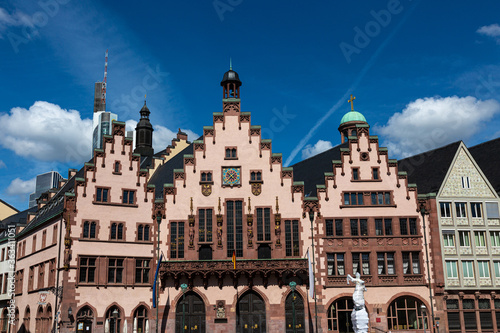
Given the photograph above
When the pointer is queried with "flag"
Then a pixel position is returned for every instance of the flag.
(311, 276)
(234, 259)
(156, 277)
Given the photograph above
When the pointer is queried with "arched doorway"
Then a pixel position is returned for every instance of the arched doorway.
(5, 320)
(84, 319)
(339, 315)
(192, 308)
(26, 319)
(251, 314)
(405, 313)
(295, 300)
(48, 316)
(39, 320)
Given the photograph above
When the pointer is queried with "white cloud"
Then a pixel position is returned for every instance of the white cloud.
(47, 132)
(492, 30)
(2, 164)
(16, 19)
(162, 136)
(319, 147)
(435, 121)
(21, 187)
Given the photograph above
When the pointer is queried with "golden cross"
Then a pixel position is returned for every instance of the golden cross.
(352, 102)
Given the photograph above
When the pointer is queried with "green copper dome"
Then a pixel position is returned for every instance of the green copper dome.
(352, 116)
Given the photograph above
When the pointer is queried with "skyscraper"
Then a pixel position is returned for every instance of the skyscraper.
(43, 183)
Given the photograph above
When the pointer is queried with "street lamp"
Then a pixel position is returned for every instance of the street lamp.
(184, 288)
(423, 308)
(115, 318)
(311, 218)
(293, 285)
(158, 221)
(423, 212)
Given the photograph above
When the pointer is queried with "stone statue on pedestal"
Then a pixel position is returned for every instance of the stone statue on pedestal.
(359, 316)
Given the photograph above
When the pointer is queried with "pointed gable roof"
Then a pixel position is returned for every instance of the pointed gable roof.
(429, 169)
(487, 156)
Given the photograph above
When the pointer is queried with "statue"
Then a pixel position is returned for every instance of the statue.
(359, 316)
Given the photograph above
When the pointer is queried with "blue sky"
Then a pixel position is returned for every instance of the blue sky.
(424, 74)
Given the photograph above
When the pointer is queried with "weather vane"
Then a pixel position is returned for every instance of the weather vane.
(352, 102)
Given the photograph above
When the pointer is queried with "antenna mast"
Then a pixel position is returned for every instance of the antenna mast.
(105, 80)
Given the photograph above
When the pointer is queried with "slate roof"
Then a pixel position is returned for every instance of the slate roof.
(165, 173)
(312, 170)
(487, 156)
(428, 169)
(54, 207)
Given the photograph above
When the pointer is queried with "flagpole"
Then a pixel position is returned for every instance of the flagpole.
(158, 219)
(311, 218)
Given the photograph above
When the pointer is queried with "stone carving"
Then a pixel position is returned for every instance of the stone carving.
(359, 316)
(220, 310)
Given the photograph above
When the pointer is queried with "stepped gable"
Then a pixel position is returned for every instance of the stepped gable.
(429, 169)
(311, 171)
(487, 156)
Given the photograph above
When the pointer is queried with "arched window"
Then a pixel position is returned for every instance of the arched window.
(294, 308)
(26, 319)
(140, 318)
(146, 232)
(48, 316)
(405, 313)
(140, 231)
(113, 231)
(117, 166)
(353, 133)
(113, 319)
(85, 318)
(39, 320)
(339, 315)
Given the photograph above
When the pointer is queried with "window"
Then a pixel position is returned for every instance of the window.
(495, 238)
(44, 238)
(375, 173)
(19, 281)
(41, 275)
(485, 317)
(234, 235)
(87, 270)
(451, 269)
(206, 176)
(142, 270)
(405, 313)
(292, 238)
(355, 173)
(411, 263)
(89, 229)
(128, 197)
(114, 324)
(54, 234)
(381, 198)
(483, 268)
(33, 247)
(177, 240)
(143, 232)
(385, 263)
(336, 264)
(205, 225)
(465, 182)
(492, 210)
(263, 224)
(496, 266)
(115, 270)
(116, 231)
(361, 263)
(140, 317)
(117, 167)
(383, 227)
(406, 225)
(464, 238)
(460, 208)
(4, 290)
(469, 314)
(52, 273)
(479, 236)
(101, 194)
(475, 209)
(359, 227)
(256, 176)
(231, 152)
(448, 238)
(3, 255)
(468, 269)
(353, 198)
(334, 230)
(445, 208)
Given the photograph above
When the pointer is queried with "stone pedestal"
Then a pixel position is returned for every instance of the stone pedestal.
(359, 320)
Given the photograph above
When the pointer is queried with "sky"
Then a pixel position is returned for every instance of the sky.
(424, 74)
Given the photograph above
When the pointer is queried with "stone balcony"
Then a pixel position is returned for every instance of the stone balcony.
(380, 280)
(280, 270)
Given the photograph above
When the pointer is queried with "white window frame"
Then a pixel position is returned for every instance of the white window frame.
(483, 266)
(466, 182)
(494, 216)
(464, 240)
(446, 212)
(451, 267)
(495, 238)
(480, 238)
(496, 266)
(461, 209)
(474, 211)
(448, 238)
(468, 268)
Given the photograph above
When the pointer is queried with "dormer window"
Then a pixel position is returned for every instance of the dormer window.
(231, 153)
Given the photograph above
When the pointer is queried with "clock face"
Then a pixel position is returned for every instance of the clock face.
(231, 176)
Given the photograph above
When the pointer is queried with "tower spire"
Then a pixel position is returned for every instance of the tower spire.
(230, 64)
(105, 80)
